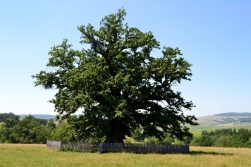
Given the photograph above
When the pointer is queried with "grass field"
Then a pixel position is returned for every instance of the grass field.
(40, 155)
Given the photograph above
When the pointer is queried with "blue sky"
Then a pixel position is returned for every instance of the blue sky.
(214, 36)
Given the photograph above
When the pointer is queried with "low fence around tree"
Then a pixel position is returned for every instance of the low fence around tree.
(53, 144)
(70, 146)
(143, 148)
(118, 147)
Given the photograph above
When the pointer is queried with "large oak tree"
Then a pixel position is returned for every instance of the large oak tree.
(118, 83)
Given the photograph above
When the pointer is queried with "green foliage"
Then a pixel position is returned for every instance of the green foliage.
(223, 141)
(187, 140)
(11, 122)
(152, 140)
(224, 138)
(138, 134)
(31, 130)
(51, 125)
(4, 116)
(64, 132)
(7, 130)
(28, 130)
(204, 140)
(248, 143)
(167, 139)
(118, 83)
(128, 140)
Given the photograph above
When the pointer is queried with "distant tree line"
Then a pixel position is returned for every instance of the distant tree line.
(26, 130)
(224, 138)
(4, 116)
(32, 130)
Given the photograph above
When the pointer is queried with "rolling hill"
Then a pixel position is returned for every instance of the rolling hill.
(40, 116)
(231, 120)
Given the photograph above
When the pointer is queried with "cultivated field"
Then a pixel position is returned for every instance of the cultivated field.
(40, 155)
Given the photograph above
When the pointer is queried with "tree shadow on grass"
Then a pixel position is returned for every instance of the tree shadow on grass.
(208, 153)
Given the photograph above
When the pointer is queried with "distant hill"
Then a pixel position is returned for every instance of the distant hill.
(235, 114)
(224, 120)
(40, 116)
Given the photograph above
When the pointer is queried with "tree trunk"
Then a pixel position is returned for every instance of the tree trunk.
(117, 132)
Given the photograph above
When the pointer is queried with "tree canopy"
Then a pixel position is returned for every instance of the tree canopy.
(27, 130)
(4, 116)
(118, 84)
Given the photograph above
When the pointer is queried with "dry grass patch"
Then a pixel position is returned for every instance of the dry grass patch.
(40, 155)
